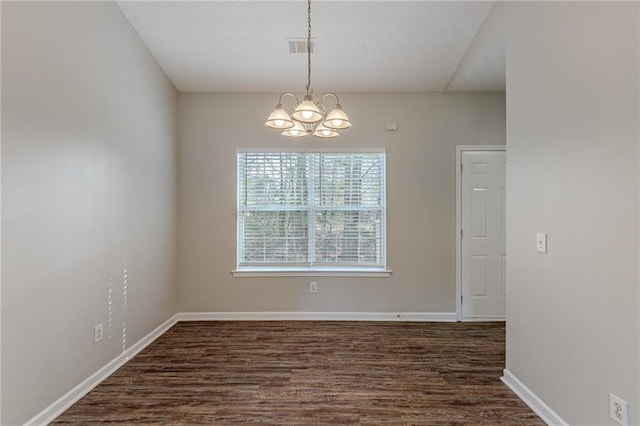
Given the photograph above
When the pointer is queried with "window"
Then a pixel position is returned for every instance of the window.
(316, 211)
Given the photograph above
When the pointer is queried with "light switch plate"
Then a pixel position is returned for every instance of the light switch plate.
(541, 242)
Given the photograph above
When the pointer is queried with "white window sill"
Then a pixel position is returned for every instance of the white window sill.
(304, 272)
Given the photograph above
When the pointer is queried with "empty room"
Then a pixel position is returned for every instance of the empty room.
(320, 212)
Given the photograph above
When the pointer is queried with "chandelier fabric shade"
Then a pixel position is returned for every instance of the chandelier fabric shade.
(308, 117)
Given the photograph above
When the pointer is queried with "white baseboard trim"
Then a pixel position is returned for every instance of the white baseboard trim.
(319, 316)
(67, 400)
(545, 412)
(483, 319)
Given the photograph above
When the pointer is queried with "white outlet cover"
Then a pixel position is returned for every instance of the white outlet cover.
(618, 410)
(97, 333)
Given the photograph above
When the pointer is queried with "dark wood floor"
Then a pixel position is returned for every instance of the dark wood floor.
(297, 373)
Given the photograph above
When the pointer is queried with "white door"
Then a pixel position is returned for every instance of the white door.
(483, 234)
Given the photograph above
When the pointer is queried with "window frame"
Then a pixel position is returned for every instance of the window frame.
(314, 269)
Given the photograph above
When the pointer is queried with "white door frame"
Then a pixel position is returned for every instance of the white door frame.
(459, 150)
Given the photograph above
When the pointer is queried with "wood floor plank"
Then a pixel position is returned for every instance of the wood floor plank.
(320, 373)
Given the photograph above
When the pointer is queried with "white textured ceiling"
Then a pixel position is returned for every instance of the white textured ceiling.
(360, 46)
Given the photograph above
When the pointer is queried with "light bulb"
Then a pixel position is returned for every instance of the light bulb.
(337, 122)
(307, 114)
(294, 132)
(279, 123)
(326, 133)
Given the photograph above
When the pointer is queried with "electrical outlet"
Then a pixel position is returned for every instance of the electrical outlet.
(97, 333)
(618, 410)
(313, 287)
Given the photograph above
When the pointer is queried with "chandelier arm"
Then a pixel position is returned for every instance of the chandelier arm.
(309, 90)
(331, 94)
(290, 94)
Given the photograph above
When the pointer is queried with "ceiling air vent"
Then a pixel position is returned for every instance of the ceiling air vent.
(300, 45)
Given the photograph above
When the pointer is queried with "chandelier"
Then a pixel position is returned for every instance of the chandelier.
(308, 117)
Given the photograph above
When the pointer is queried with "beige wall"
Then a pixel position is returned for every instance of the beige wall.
(572, 132)
(420, 199)
(88, 188)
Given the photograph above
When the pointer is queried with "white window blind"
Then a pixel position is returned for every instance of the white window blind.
(311, 210)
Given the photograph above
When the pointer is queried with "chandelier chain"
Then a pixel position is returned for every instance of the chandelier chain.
(309, 90)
